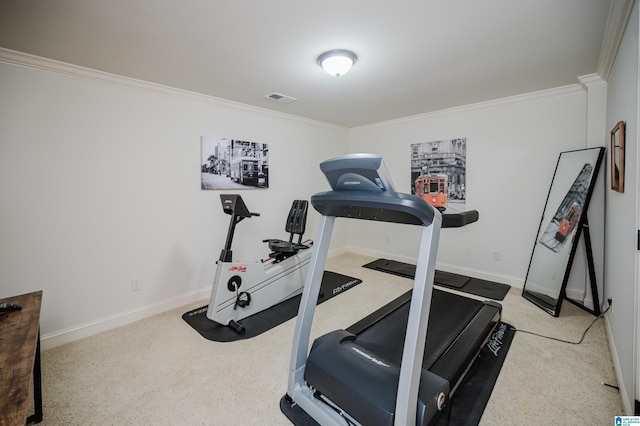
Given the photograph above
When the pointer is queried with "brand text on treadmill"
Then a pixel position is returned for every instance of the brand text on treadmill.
(495, 344)
(370, 358)
(344, 286)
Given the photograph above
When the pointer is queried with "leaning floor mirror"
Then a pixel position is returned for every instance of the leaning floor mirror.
(563, 219)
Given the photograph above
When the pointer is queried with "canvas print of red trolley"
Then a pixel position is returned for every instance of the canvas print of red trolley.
(433, 188)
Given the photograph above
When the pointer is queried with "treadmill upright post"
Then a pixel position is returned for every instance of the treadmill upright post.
(416, 335)
(304, 320)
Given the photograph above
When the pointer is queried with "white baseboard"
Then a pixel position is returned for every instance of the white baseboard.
(82, 331)
(483, 275)
(337, 252)
(72, 334)
(575, 294)
(579, 296)
(627, 404)
(57, 338)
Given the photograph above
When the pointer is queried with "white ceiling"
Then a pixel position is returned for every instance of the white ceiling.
(413, 56)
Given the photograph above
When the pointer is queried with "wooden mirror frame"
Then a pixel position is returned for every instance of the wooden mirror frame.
(617, 157)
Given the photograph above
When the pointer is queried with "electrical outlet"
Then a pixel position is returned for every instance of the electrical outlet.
(387, 239)
(136, 285)
(495, 255)
(467, 250)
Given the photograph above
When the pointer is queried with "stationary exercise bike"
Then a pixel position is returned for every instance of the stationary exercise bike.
(241, 289)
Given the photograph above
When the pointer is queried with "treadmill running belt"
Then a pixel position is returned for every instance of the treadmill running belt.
(449, 315)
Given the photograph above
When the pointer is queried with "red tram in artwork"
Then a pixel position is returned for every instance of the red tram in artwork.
(568, 222)
(433, 188)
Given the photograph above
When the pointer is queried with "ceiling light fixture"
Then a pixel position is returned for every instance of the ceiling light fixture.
(337, 62)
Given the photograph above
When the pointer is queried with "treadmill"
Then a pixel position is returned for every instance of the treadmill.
(379, 371)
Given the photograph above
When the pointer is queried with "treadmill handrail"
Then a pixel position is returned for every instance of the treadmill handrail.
(384, 206)
(457, 220)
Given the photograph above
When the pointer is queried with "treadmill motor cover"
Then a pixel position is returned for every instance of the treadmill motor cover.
(364, 384)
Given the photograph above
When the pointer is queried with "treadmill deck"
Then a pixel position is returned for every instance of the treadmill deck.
(358, 368)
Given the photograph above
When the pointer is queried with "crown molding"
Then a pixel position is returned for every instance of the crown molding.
(26, 60)
(619, 14)
(21, 59)
(586, 81)
(571, 89)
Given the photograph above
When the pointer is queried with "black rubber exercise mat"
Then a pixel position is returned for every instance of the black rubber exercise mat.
(332, 285)
(470, 399)
(476, 286)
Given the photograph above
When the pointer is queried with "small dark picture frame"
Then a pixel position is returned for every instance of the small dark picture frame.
(617, 157)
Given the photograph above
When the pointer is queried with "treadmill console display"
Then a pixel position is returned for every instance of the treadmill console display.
(357, 172)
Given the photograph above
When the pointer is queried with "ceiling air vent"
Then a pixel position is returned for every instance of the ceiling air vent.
(279, 97)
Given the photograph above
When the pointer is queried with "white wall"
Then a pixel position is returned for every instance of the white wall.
(512, 149)
(621, 276)
(100, 185)
(99, 182)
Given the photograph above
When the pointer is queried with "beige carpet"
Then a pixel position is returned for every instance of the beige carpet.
(160, 371)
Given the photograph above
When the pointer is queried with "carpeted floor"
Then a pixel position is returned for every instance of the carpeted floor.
(159, 371)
